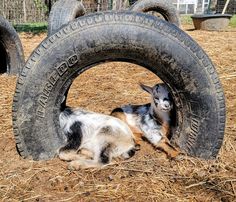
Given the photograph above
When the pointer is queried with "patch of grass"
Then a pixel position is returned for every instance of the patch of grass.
(31, 27)
(232, 22)
(186, 20)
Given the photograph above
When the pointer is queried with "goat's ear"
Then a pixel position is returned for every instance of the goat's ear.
(146, 88)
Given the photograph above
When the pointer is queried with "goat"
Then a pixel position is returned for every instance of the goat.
(93, 139)
(151, 120)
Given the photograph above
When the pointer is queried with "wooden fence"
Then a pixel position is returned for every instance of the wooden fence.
(27, 11)
(21, 11)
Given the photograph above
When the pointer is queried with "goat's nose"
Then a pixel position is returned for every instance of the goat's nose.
(166, 105)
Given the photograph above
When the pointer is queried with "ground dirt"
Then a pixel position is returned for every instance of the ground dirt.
(149, 175)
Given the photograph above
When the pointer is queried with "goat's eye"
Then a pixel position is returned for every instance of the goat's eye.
(156, 98)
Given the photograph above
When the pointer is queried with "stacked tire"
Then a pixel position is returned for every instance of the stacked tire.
(164, 8)
(63, 12)
(11, 51)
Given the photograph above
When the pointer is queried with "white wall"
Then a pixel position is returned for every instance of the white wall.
(191, 6)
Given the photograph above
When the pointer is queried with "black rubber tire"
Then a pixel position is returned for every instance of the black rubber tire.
(11, 51)
(63, 12)
(125, 36)
(163, 7)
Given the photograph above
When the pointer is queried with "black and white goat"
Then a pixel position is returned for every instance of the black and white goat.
(151, 120)
(94, 139)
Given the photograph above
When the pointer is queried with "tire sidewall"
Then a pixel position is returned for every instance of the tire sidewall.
(13, 47)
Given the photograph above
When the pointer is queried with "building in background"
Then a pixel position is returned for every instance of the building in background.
(191, 6)
(201, 6)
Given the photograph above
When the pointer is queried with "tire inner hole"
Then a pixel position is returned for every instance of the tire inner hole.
(110, 85)
(3, 59)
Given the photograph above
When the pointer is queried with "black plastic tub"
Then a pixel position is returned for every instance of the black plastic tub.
(211, 21)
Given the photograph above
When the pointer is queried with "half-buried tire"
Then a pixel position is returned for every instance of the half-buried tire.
(63, 12)
(125, 36)
(164, 8)
(11, 51)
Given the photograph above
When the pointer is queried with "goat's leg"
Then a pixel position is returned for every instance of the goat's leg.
(101, 157)
(165, 129)
(86, 153)
(153, 137)
(68, 155)
(137, 139)
(83, 158)
(71, 155)
(162, 143)
(84, 163)
(165, 146)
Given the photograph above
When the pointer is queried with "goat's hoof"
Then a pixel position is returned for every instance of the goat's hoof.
(73, 166)
(173, 155)
(137, 147)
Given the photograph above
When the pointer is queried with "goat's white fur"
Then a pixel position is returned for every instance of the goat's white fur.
(98, 131)
(151, 120)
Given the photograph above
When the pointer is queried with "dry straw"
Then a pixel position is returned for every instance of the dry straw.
(148, 176)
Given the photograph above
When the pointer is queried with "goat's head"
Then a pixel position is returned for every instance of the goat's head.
(161, 98)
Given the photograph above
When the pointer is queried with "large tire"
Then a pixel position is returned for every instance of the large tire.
(125, 36)
(163, 7)
(11, 51)
(63, 12)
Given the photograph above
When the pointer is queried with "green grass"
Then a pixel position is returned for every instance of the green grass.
(31, 27)
(186, 20)
(232, 22)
